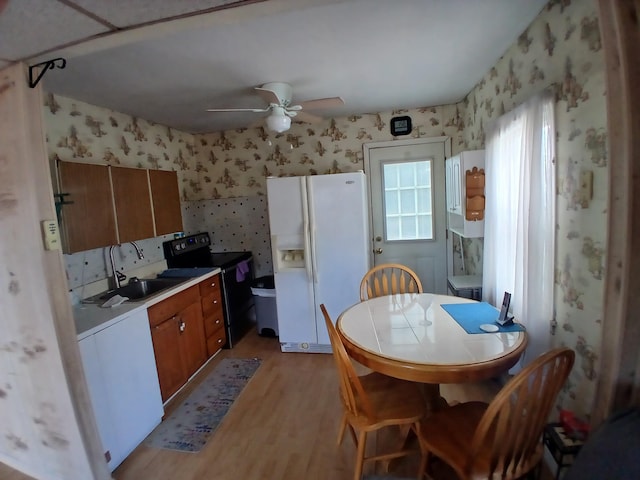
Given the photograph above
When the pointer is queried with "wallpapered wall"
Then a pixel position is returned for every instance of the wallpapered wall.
(561, 50)
(222, 175)
(223, 165)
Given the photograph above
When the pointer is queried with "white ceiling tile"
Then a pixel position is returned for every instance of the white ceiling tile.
(40, 25)
(323, 48)
(125, 13)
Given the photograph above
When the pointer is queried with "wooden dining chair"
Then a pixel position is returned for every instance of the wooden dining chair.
(372, 402)
(387, 279)
(502, 439)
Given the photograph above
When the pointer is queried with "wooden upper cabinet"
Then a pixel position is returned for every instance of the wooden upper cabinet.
(112, 205)
(89, 221)
(133, 203)
(165, 196)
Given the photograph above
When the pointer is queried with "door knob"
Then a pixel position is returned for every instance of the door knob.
(378, 251)
(378, 238)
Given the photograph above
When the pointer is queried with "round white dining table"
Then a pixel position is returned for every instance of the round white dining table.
(410, 336)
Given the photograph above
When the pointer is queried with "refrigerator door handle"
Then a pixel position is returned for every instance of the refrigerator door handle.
(305, 228)
(312, 229)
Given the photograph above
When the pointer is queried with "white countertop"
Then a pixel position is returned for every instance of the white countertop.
(90, 318)
(462, 282)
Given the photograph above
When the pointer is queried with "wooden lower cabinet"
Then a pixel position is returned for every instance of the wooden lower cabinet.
(192, 344)
(213, 315)
(178, 335)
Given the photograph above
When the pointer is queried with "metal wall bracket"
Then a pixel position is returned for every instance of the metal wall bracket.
(50, 64)
(60, 201)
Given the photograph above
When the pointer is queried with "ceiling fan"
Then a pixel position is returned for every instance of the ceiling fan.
(278, 95)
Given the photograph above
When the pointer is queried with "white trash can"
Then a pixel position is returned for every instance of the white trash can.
(264, 299)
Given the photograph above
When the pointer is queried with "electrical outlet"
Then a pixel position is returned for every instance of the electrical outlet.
(50, 235)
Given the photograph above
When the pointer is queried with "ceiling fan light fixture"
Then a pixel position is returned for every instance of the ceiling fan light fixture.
(278, 123)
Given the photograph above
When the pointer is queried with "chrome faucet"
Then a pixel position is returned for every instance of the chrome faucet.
(119, 276)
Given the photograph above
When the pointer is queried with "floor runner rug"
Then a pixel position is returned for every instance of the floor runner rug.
(190, 426)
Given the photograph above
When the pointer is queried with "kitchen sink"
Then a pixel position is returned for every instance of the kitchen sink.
(137, 289)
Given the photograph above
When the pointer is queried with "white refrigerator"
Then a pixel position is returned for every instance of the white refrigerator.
(320, 249)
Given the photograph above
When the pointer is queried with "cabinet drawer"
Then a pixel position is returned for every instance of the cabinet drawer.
(210, 286)
(211, 304)
(172, 305)
(212, 323)
(216, 342)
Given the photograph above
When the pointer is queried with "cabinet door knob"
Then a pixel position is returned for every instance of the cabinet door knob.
(219, 340)
(217, 321)
(215, 301)
(213, 284)
(182, 325)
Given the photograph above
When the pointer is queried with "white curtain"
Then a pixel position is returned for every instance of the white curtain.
(519, 240)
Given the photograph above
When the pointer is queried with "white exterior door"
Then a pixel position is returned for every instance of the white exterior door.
(408, 206)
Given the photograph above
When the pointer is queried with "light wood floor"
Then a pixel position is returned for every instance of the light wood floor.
(283, 426)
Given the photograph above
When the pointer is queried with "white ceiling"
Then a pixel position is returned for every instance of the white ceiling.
(378, 55)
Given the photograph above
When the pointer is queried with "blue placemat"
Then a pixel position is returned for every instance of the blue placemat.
(471, 315)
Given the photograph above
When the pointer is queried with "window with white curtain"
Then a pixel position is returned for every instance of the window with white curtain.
(519, 241)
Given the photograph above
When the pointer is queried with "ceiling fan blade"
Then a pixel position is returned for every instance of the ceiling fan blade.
(268, 96)
(322, 103)
(255, 110)
(307, 117)
(275, 92)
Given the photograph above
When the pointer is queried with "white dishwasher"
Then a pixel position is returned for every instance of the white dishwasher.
(120, 368)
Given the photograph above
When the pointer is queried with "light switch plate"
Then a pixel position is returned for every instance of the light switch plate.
(586, 188)
(50, 235)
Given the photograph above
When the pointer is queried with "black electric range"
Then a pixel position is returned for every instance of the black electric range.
(191, 256)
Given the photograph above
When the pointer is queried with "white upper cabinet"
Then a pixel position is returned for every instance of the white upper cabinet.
(465, 193)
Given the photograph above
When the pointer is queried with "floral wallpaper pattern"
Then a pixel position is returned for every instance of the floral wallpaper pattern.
(561, 50)
(236, 163)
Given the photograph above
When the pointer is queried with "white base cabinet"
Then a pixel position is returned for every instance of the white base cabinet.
(120, 368)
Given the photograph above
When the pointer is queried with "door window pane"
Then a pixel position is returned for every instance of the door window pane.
(393, 228)
(391, 202)
(424, 176)
(408, 200)
(391, 172)
(424, 200)
(409, 229)
(407, 175)
(425, 226)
